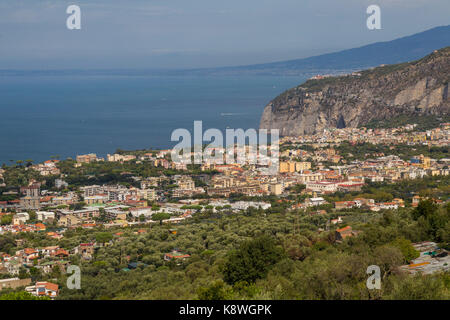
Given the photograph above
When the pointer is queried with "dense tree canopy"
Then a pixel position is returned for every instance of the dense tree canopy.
(252, 260)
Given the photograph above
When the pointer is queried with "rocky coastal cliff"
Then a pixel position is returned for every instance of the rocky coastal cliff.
(415, 88)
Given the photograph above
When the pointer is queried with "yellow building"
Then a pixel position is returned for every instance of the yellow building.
(276, 188)
(294, 166)
(96, 199)
(426, 162)
(284, 166)
(304, 165)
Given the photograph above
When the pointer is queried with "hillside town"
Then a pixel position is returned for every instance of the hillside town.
(316, 176)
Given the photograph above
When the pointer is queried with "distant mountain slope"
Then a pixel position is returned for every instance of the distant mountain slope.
(391, 52)
(415, 88)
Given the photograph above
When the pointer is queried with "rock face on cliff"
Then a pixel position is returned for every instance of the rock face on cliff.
(414, 88)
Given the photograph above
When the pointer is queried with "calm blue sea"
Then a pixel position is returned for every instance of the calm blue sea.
(41, 116)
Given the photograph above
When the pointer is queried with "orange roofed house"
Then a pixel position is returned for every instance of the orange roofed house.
(175, 255)
(344, 233)
(43, 289)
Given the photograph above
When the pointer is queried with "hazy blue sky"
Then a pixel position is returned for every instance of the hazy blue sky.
(198, 33)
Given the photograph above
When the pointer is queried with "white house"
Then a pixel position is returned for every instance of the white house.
(43, 289)
(322, 186)
(311, 202)
(20, 218)
(45, 215)
(137, 212)
(244, 205)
